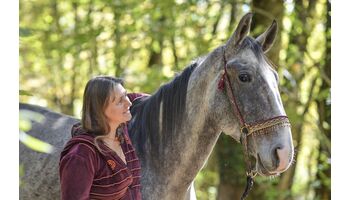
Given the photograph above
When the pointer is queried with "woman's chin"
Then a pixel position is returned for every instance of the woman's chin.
(127, 116)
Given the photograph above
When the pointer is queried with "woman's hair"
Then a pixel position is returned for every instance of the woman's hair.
(97, 94)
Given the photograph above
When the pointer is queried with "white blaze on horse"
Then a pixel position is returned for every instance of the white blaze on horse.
(232, 90)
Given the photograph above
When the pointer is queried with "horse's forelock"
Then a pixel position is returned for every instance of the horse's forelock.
(254, 46)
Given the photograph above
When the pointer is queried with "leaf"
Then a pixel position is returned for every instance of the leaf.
(24, 125)
(323, 94)
(25, 32)
(24, 93)
(35, 144)
(30, 115)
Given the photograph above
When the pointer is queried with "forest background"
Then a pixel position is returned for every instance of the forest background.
(65, 43)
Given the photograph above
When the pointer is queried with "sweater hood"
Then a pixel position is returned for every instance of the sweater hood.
(79, 135)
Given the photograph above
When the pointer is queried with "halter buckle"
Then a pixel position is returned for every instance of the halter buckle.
(251, 173)
(245, 130)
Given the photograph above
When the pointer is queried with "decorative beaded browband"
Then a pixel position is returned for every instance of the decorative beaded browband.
(247, 129)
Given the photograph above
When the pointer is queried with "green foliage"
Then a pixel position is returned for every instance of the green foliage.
(24, 93)
(206, 185)
(25, 117)
(34, 143)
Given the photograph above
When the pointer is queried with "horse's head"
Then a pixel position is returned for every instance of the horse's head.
(246, 91)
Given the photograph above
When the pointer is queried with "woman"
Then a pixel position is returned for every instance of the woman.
(99, 162)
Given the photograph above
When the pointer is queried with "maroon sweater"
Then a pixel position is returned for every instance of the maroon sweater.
(85, 173)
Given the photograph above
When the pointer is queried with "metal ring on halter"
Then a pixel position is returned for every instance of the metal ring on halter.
(251, 174)
(245, 130)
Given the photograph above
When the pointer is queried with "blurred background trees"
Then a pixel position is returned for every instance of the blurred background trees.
(65, 43)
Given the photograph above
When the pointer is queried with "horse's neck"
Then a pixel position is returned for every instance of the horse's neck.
(196, 148)
(197, 136)
(199, 132)
(187, 156)
(182, 158)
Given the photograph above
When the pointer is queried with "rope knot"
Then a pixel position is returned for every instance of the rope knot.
(221, 84)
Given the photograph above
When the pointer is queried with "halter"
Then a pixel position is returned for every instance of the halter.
(247, 129)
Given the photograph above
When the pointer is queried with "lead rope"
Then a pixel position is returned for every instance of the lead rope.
(248, 187)
(244, 130)
(250, 174)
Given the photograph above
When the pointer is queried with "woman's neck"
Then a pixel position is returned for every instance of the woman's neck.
(112, 132)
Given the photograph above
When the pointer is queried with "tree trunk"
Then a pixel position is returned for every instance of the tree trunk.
(155, 58)
(264, 13)
(296, 51)
(57, 67)
(93, 64)
(227, 191)
(323, 192)
(231, 168)
(117, 35)
(69, 108)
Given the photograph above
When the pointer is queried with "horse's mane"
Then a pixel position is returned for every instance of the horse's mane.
(146, 112)
(252, 44)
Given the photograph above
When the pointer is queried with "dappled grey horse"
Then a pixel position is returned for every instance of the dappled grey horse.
(233, 89)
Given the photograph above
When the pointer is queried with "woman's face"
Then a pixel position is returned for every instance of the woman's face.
(117, 110)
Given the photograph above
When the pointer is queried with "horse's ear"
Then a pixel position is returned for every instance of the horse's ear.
(268, 37)
(241, 31)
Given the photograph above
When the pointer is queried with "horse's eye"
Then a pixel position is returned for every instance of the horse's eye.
(244, 78)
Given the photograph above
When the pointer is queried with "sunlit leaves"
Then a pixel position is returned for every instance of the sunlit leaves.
(25, 93)
(25, 118)
(34, 143)
(30, 115)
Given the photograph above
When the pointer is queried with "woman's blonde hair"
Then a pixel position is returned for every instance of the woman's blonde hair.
(97, 93)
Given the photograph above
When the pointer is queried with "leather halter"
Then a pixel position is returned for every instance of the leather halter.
(247, 129)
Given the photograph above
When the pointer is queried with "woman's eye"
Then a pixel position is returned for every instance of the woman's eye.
(244, 78)
(120, 101)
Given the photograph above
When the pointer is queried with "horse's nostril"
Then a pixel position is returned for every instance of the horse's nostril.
(276, 158)
(282, 158)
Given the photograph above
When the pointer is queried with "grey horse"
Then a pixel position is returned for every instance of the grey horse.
(175, 129)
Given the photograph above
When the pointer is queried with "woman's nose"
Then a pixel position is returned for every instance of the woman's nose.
(128, 102)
